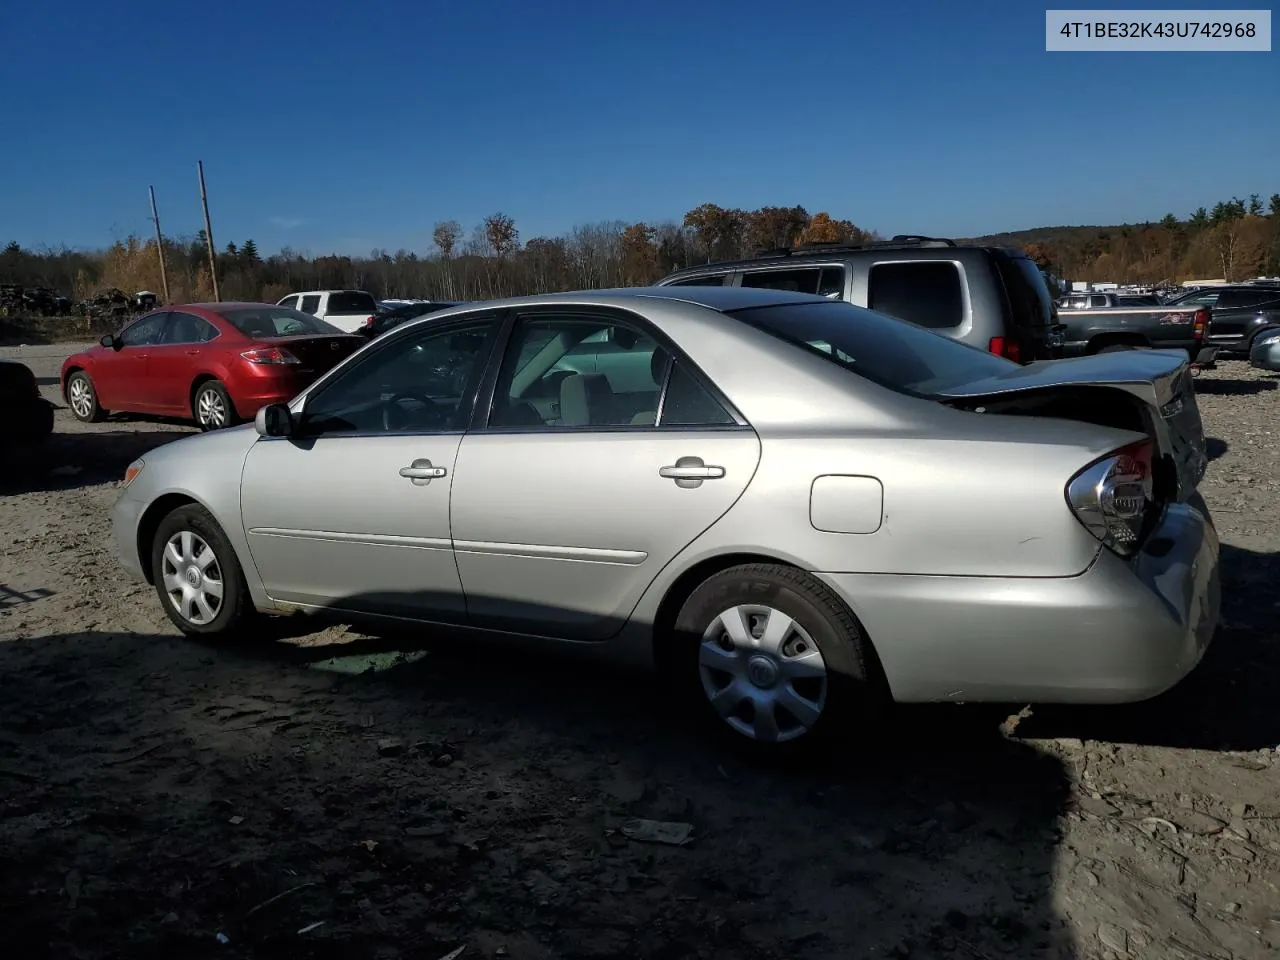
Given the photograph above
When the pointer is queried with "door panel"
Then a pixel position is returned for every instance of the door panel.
(332, 522)
(560, 533)
(130, 374)
(175, 361)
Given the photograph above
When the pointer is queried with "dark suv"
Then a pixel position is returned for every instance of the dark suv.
(1240, 312)
(992, 298)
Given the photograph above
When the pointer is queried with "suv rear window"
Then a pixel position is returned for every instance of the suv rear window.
(1029, 298)
(353, 302)
(897, 355)
(1246, 298)
(925, 292)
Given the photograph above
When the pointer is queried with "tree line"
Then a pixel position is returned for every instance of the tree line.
(1234, 239)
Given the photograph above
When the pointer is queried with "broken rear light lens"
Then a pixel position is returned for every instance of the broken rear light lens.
(1114, 496)
(269, 355)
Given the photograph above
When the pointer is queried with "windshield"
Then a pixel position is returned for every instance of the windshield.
(892, 353)
(276, 322)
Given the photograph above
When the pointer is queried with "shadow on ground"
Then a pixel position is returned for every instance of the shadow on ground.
(1234, 388)
(158, 792)
(70, 460)
(1227, 703)
(1215, 448)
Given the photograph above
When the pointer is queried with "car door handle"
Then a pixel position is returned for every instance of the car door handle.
(193, 353)
(421, 472)
(689, 472)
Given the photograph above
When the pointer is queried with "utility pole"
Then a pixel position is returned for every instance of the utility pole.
(208, 234)
(155, 218)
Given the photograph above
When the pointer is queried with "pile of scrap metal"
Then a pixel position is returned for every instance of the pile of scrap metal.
(16, 300)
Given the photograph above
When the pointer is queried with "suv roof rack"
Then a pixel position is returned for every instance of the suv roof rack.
(900, 240)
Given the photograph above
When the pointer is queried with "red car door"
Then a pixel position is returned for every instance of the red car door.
(175, 361)
(120, 376)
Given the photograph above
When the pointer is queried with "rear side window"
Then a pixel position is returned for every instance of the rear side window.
(1247, 298)
(879, 348)
(824, 281)
(351, 302)
(1029, 298)
(927, 292)
(711, 280)
(311, 304)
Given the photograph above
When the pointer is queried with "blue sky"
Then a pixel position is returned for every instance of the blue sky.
(329, 125)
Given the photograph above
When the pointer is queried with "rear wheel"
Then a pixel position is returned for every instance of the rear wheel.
(772, 658)
(197, 575)
(212, 406)
(82, 398)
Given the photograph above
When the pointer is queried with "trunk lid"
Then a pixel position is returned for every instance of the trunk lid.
(318, 353)
(1160, 380)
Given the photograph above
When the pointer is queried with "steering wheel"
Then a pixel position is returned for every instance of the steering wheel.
(395, 416)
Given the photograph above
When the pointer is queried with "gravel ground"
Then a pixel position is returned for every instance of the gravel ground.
(338, 794)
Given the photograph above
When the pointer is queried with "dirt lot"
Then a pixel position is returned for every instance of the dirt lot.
(164, 798)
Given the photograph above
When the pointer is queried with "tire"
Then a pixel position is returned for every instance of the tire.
(211, 406)
(844, 689)
(193, 531)
(82, 398)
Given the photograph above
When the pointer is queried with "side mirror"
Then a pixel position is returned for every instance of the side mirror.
(111, 340)
(274, 420)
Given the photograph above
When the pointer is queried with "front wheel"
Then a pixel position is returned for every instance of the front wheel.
(212, 406)
(82, 398)
(772, 656)
(197, 575)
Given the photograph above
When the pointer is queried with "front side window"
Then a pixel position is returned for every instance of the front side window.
(290, 302)
(708, 280)
(897, 355)
(805, 280)
(422, 382)
(929, 293)
(145, 332)
(264, 322)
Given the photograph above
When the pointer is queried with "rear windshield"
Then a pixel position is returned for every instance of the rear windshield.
(352, 301)
(1029, 297)
(276, 322)
(893, 353)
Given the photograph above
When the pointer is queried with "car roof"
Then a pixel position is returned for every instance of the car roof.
(841, 252)
(218, 307)
(723, 299)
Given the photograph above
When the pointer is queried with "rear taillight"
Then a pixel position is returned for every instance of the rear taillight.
(269, 355)
(1200, 326)
(1004, 347)
(1113, 497)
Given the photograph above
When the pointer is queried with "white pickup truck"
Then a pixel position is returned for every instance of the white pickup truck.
(345, 309)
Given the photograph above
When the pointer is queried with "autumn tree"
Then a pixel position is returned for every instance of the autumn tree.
(823, 229)
(639, 255)
(717, 231)
(501, 234)
(445, 236)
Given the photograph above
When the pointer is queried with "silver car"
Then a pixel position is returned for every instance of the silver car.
(1265, 352)
(801, 510)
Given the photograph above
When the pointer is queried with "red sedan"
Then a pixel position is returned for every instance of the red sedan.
(214, 362)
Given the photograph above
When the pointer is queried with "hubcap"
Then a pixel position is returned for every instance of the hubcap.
(192, 578)
(762, 673)
(81, 399)
(210, 409)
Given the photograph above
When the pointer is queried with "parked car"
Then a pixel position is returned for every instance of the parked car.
(992, 298)
(216, 363)
(1239, 313)
(26, 418)
(345, 309)
(1103, 301)
(385, 319)
(799, 509)
(1265, 352)
(1115, 328)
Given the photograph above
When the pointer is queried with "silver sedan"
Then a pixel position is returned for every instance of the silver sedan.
(1265, 352)
(799, 509)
